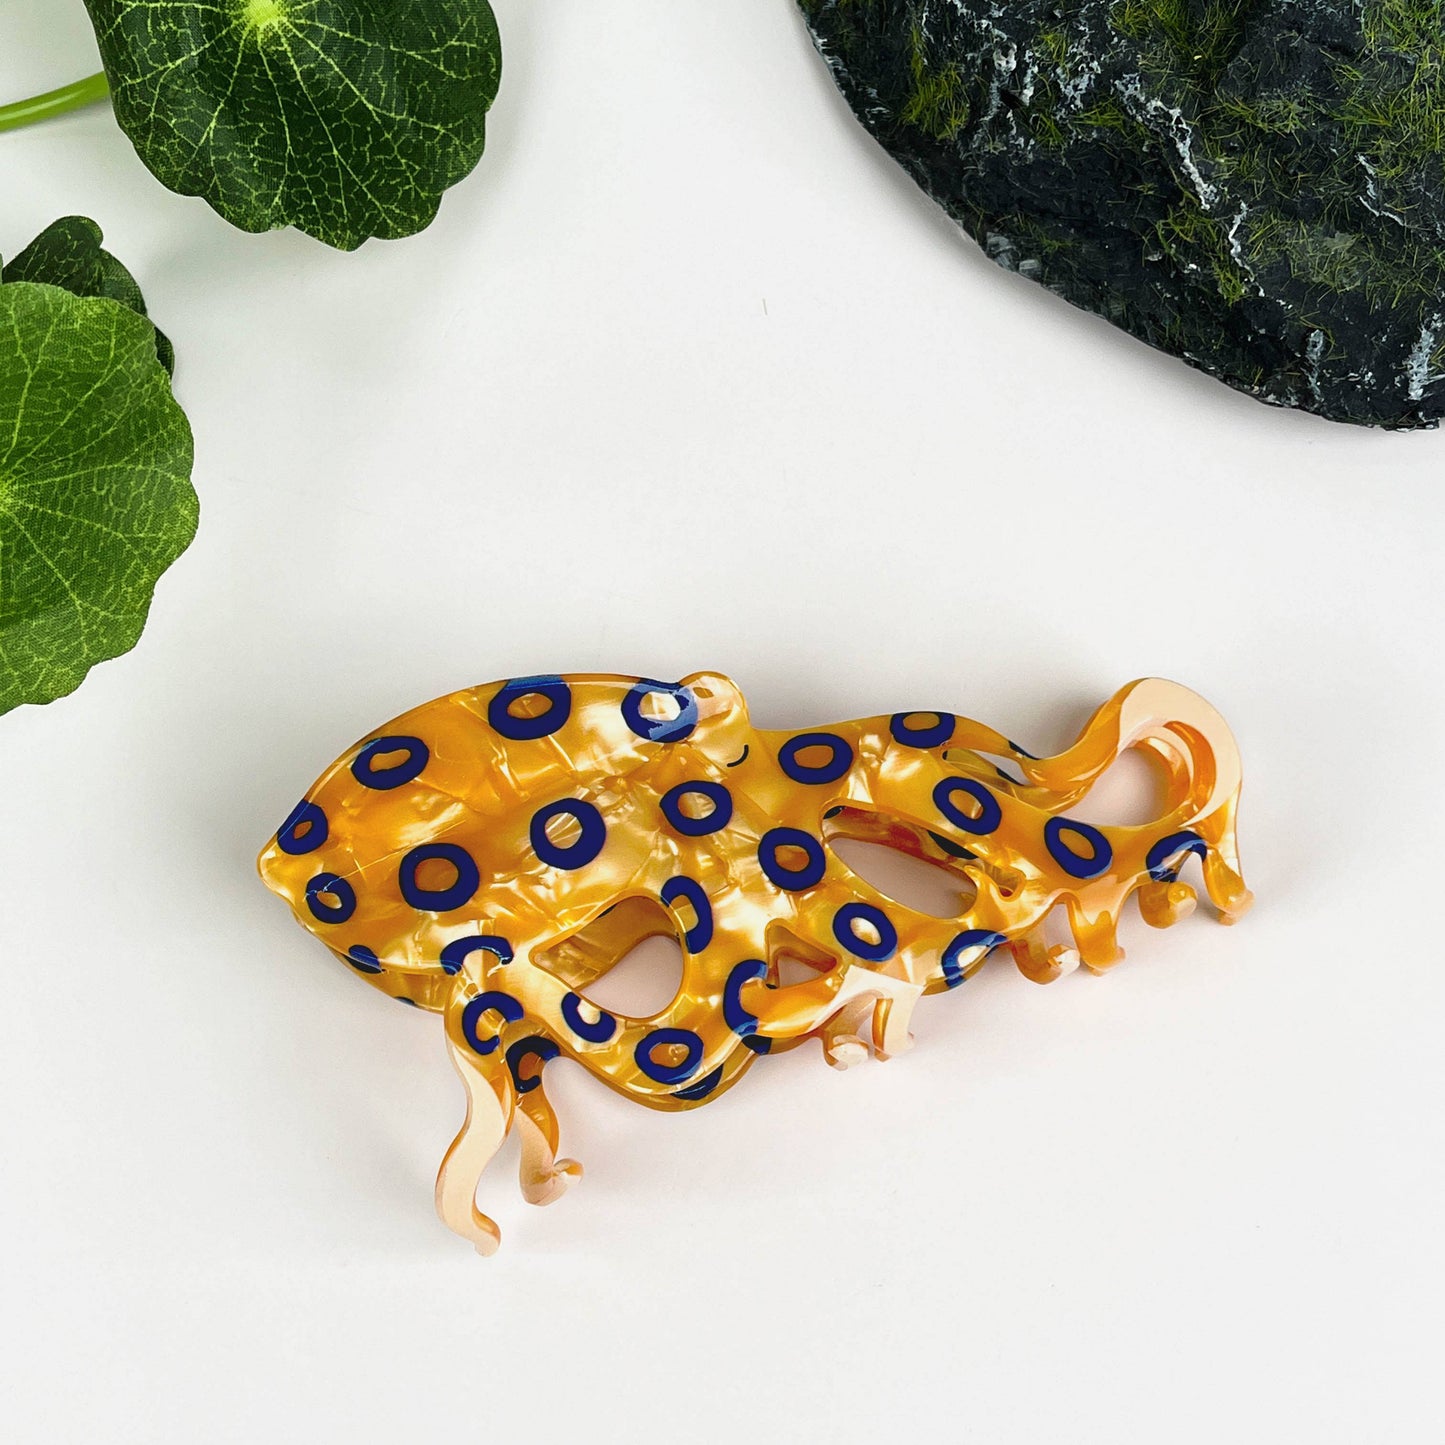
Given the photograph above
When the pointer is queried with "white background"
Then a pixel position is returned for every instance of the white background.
(688, 376)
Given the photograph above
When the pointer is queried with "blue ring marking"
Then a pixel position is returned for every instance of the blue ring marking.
(850, 914)
(697, 938)
(1161, 863)
(660, 729)
(533, 1046)
(594, 1033)
(525, 729)
(720, 815)
(703, 1087)
(439, 900)
(339, 889)
(1023, 752)
(1074, 864)
(988, 819)
(363, 959)
(494, 1002)
(587, 846)
(776, 839)
(735, 1016)
(456, 953)
(933, 736)
(970, 938)
(954, 850)
(383, 780)
(290, 837)
(669, 1073)
(840, 758)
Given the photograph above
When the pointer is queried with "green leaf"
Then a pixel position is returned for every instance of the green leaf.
(345, 118)
(68, 254)
(95, 493)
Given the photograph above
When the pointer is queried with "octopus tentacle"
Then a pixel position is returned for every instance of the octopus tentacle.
(491, 1102)
(545, 1178)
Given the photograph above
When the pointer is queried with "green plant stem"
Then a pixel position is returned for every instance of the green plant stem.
(54, 102)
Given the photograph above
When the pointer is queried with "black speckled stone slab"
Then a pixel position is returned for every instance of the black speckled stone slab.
(1255, 186)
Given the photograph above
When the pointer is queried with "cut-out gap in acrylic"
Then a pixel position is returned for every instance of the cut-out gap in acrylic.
(610, 942)
(1005, 766)
(922, 886)
(792, 959)
(641, 983)
(1131, 792)
(789, 969)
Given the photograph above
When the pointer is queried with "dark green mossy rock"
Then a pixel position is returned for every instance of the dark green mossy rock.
(1256, 186)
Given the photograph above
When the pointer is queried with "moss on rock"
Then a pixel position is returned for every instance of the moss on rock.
(1256, 186)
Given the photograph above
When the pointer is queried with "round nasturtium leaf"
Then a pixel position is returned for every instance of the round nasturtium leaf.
(68, 254)
(345, 118)
(95, 493)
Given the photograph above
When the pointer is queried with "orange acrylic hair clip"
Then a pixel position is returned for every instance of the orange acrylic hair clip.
(491, 855)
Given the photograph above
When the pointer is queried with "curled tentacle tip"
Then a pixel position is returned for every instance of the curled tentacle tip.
(901, 1046)
(1161, 905)
(1237, 907)
(487, 1244)
(1103, 962)
(1009, 882)
(844, 1052)
(1182, 901)
(551, 1185)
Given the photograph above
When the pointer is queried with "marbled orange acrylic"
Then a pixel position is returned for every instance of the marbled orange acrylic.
(491, 855)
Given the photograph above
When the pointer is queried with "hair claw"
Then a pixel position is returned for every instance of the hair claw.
(491, 855)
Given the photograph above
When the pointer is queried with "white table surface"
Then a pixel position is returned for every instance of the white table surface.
(687, 376)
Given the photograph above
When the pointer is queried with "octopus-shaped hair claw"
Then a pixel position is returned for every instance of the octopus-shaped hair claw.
(491, 855)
